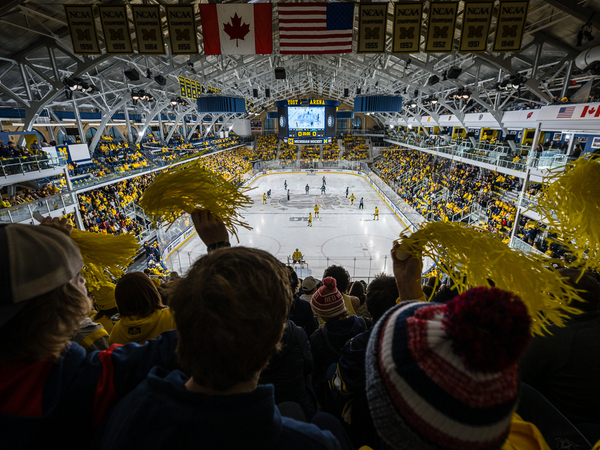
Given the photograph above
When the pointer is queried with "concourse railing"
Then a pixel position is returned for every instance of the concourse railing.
(496, 155)
(44, 206)
(523, 246)
(32, 163)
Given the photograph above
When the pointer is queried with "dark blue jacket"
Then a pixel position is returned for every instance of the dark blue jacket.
(63, 401)
(289, 371)
(348, 386)
(327, 343)
(161, 413)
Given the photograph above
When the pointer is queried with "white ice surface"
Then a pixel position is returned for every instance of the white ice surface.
(343, 235)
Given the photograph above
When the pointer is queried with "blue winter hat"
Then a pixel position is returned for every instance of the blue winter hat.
(445, 376)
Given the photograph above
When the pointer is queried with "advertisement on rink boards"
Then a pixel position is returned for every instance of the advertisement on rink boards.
(115, 27)
(440, 27)
(477, 18)
(181, 22)
(82, 27)
(148, 30)
(372, 25)
(407, 27)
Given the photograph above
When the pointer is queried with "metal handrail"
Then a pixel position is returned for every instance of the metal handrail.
(44, 206)
(474, 153)
(23, 164)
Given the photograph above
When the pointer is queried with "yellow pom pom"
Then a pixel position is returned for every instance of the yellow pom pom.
(570, 206)
(189, 187)
(104, 256)
(472, 258)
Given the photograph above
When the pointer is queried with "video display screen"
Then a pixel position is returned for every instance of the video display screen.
(306, 118)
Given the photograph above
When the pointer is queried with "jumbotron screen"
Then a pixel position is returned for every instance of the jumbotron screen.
(306, 121)
(307, 118)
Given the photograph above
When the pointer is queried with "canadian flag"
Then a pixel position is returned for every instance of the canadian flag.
(237, 29)
(591, 111)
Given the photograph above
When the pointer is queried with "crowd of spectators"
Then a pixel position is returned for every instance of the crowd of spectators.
(355, 148)
(104, 210)
(310, 152)
(28, 195)
(108, 209)
(440, 189)
(210, 142)
(231, 164)
(16, 158)
(266, 147)
(288, 152)
(331, 152)
(293, 363)
(169, 155)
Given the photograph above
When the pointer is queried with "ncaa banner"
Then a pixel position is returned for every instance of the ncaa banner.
(510, 26)
(477, 17)
(115, 26)
(188, 88)
(148, 30)
(82, 27)
(440, 27)
(181, 21)
(372, 26)
(406, 36)
(182, 87)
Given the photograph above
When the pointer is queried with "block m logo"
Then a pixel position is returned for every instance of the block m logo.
(371, 33)
(509, 31)
(116, 35)
(407, 33)
(182, 35)
(475, 32)
(440, 32)
(148, 35)
(83, 35)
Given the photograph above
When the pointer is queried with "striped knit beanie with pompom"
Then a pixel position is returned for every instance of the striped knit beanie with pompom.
(445, 376)
(328, 302)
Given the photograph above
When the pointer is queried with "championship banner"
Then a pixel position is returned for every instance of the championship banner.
(510, 26)
(115, 26)
(440, 27)
(182, 87)
(188, 88)
(406, 36)
(477, 17)
(181, 21)
(372, 25)
(82, 27)
(148, 30)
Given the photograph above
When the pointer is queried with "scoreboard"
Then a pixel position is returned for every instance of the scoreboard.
(307, 121)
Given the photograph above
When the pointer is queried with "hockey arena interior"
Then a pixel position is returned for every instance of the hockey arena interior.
(300, 225)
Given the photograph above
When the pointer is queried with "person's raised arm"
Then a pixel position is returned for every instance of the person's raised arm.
(210, 229)
(408, 276)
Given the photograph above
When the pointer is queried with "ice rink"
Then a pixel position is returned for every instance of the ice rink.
(343, 234)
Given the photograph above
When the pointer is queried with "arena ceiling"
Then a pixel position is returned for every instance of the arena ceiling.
(36, 56)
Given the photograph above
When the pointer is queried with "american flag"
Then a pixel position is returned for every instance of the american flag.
(315, 28)
(566, 112)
